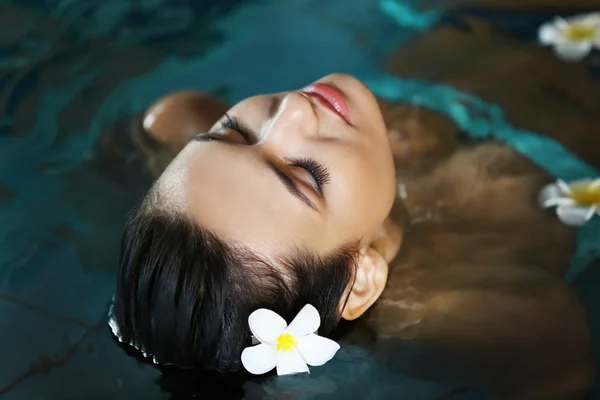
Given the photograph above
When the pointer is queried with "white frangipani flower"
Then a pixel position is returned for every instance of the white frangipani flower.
(575, 202)
(573, 38)
(289, 348)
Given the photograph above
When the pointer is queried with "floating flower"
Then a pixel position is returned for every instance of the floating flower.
(576, 203)
(289, 348)
(573, 38)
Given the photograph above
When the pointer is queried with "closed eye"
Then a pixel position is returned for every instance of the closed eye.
(319, 173)
(287, 181)
(234, 124)
(228, 123)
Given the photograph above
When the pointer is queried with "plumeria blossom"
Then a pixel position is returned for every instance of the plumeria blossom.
(573, 38)
(289, 348)
(575, 202)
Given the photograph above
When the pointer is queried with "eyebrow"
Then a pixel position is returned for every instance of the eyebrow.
(288, 182)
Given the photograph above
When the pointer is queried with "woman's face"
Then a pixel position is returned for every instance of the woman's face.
(310, 169)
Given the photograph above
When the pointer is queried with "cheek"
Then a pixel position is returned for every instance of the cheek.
(364, 192)
(373, 168)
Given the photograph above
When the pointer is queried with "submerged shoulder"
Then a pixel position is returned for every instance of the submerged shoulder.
(479, 206)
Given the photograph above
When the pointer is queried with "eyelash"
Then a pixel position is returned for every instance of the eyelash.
(235, 124)
(318, 172)
(315, 168)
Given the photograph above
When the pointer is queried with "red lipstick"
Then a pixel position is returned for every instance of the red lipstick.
(330, 98)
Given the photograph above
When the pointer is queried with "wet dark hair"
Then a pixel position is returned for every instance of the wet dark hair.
(184, 294)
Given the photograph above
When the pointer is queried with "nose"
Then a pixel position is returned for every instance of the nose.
(295, 120)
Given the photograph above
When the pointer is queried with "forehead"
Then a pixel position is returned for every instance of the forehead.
(231, 192)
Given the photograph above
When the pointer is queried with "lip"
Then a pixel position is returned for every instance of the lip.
(330, 98)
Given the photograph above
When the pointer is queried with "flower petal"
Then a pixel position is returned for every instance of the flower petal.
(551, 195)
(291, 362)
(593, 210)
(574, 215)
(563, 186)
(259, 359)
(588, 19)
(596, 41)
(306, 322)
(573, 51)
(581, 182)
(560, 201)
(561, 23)
(548, 33)
(595, 183)
(316, 350)
(266, 325)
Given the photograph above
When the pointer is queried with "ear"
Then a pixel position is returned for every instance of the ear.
(369, 282)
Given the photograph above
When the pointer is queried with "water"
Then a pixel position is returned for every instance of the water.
(73, 75)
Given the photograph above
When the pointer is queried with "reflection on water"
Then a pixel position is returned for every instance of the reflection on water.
(74, 78)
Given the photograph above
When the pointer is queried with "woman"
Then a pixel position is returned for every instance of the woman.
(287, 201)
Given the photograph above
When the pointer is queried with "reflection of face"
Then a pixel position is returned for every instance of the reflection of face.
(290, 172)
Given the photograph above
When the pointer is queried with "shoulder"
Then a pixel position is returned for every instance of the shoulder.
(479, 206)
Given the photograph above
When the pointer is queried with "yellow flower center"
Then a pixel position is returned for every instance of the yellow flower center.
(586, 195)
(580, 32)
(285, 342)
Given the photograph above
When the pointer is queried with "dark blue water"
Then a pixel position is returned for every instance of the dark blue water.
(72, 76)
